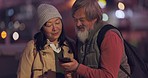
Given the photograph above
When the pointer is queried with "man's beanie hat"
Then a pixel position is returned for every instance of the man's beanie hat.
(46, 12)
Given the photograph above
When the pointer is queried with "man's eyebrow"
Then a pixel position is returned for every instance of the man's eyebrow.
(80, 18)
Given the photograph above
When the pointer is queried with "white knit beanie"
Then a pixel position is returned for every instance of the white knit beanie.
(46, 12)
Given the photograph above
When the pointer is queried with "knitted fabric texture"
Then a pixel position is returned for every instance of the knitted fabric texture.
(46, 12)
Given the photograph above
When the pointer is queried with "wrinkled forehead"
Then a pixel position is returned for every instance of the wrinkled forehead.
(80, 13)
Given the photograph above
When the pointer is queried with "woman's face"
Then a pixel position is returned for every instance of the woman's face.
(53, 29)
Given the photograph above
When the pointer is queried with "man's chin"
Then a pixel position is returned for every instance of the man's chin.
(82, 35)
(82, 38)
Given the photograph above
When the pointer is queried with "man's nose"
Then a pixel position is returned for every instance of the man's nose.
(79, 23)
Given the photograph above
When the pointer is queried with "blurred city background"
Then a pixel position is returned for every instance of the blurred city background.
(18, 24)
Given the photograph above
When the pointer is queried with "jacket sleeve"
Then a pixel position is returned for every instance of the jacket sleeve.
(25, 63)
(112, 49)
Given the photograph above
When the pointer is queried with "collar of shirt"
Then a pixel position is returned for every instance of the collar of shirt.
(55, 47)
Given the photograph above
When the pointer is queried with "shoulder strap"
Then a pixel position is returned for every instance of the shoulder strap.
(34, 54)
(102, 33)
(100, 37)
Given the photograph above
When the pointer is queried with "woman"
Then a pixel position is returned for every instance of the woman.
(40, 57)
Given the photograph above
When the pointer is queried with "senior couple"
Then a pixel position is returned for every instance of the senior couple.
(40, 58)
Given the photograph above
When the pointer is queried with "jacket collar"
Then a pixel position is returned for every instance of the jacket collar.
(48, 43)
(97, 27)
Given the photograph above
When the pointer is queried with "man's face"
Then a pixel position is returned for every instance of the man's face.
(83, 25)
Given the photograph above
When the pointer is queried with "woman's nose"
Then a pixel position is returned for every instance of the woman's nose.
(53, 27)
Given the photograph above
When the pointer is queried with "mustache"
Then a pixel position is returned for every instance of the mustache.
(80, 27)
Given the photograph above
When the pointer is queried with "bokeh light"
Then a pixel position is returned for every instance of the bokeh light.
(120, 14)
(15, 36)
(102, 3)
(105, 17)
(3, 34)
(121, 6)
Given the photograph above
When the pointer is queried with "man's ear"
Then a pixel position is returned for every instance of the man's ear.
(94, 20)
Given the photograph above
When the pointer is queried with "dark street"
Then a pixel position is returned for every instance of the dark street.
(8, 66)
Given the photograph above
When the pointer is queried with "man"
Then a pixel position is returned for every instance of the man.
(95, 63)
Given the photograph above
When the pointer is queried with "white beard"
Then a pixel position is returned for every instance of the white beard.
(82, 36)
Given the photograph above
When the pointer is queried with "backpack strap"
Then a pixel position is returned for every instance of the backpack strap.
(102, 33)
(123, 69)
(100, 38)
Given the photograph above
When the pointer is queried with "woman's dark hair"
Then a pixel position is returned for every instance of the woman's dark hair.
(91, 8)
(41, 40)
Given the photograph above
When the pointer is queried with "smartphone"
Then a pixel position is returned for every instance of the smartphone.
(64, 60)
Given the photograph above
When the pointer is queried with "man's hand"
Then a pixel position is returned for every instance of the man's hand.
(70, 66)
